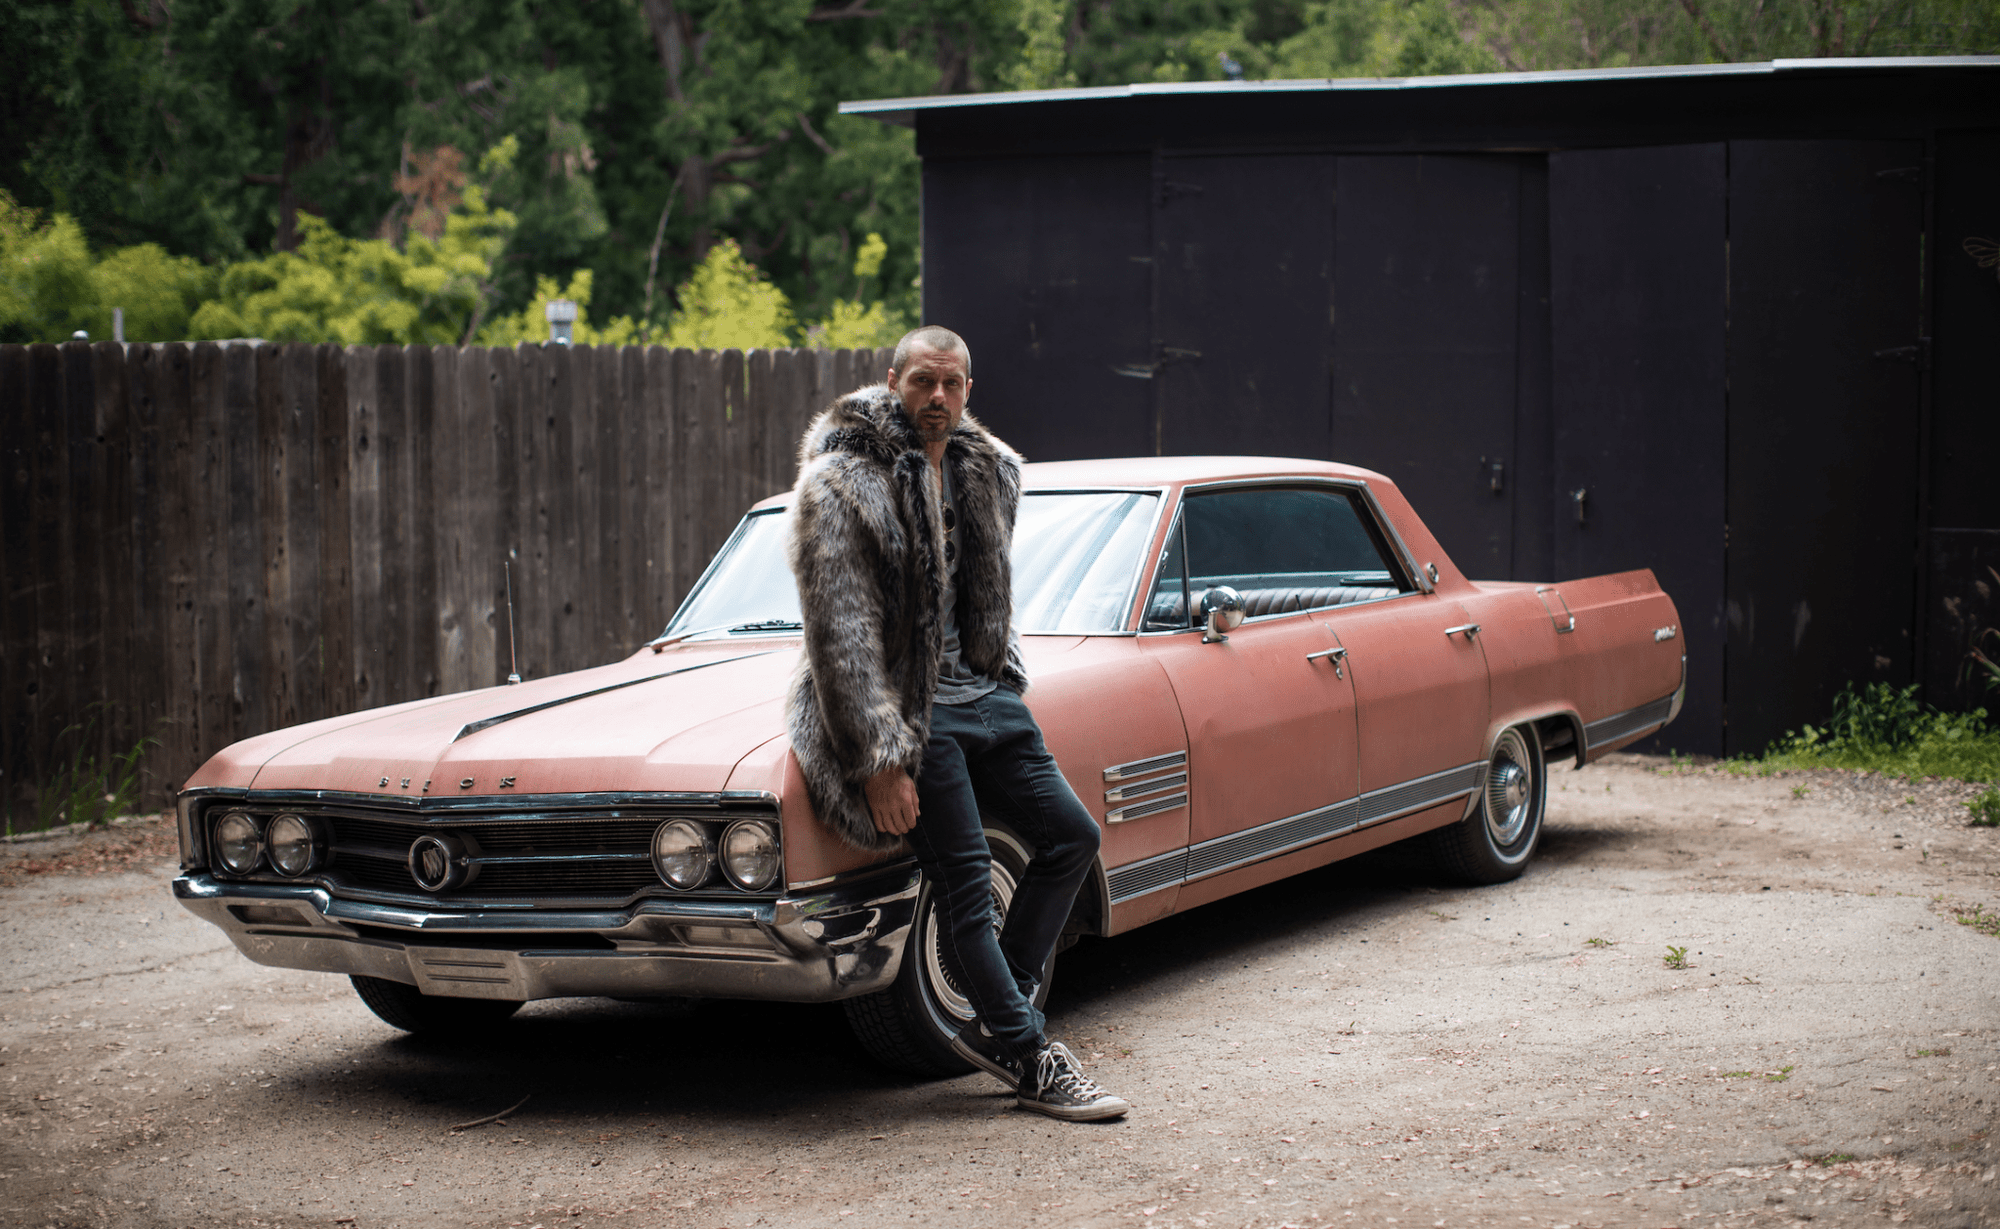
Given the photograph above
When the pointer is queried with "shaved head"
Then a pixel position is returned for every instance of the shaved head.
(935, 337)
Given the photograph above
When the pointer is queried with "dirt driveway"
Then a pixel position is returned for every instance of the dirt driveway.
(1356, 1046)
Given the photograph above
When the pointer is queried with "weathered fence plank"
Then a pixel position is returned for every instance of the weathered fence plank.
(215, 684)
(336, 550)
(53, 706)
(17, 588)
(205, 542)
(111, 464)
(431, 376)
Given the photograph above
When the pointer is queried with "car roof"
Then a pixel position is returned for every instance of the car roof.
(1157, 472)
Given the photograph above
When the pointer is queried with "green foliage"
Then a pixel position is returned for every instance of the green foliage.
(212, 128)
(855, 323)
(86, 789)
(1676, 958)
(727, 303)
(1985, 809)
(1043, 26)
(1879, 728)
(363, 291)
(51, 285)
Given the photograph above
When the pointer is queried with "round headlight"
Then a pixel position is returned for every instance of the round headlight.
(294, 845)
(682, 853)
(238, 844)
(750, 854)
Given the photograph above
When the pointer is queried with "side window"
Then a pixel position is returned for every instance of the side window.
(1167, 605)
(1286, 550)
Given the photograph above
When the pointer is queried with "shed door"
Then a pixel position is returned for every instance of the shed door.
(1638, 261)
(1425, 379)
(1243, 260)
(1825, 312)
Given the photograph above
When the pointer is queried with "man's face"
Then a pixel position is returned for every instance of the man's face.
(933, 386)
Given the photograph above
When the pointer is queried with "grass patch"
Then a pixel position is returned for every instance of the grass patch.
(1879, 728)
(1976, 917)
(1985, 809)
(87, 789)
(1676, 958)
(1599, 943)
(1832, 1159)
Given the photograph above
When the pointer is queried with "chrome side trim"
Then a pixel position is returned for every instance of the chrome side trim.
(1141, 810)
(1147, 875)
(1223, 853)
(1392, 801)
(1226, 853)
(1140, 768)
(1631, 721)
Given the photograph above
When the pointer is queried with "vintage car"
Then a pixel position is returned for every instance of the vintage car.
(1246, 668)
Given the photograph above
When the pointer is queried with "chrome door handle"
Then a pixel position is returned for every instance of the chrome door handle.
(1470, 630)
(1336, 654)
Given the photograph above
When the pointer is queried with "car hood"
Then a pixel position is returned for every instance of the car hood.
(679, 720)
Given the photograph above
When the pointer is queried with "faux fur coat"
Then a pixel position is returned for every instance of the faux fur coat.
(867, 550)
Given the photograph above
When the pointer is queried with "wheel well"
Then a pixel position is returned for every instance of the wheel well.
(1561, 733)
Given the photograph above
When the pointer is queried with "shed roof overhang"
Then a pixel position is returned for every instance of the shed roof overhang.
(1877, 96)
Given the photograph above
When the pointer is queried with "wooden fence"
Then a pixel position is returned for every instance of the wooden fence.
(205, 542)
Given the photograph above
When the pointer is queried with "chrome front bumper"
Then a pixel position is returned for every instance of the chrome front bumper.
(832, 944)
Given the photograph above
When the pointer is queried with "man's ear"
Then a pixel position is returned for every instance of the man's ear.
(890, 379)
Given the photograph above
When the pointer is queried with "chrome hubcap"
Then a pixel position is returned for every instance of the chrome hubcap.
(944, 982)
(1509, 790)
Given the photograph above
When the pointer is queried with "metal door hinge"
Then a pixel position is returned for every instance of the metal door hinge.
(1919, 354)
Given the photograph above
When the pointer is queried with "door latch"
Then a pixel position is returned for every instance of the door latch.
(1578, 497)
(1336, 654)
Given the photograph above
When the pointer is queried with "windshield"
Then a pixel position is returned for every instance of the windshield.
(1076, 554)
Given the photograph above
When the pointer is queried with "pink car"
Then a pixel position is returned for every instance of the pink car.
(1246, 667)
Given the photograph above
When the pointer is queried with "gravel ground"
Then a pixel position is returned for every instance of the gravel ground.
(1356, 1045)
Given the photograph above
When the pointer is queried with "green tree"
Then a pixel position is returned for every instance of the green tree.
(726, 303)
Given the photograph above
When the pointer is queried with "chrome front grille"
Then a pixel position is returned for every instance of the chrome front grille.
(523, 856)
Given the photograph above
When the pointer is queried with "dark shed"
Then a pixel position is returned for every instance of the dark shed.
(1737, 323)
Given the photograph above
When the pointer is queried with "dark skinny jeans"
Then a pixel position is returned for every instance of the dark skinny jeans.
(989, 754)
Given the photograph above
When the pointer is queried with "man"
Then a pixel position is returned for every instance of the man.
(906, 715)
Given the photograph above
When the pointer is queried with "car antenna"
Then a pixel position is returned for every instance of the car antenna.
(513, 658)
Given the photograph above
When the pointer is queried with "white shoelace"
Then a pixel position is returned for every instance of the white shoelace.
(1056, 1067)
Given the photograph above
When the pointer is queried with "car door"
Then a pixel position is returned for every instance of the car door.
(1269, 710)
(1419, 670)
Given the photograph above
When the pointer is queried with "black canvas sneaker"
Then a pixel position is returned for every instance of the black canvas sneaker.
(1055, 1085)
(983, 1050)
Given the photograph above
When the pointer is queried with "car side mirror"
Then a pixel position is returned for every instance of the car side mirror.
(1221, 612)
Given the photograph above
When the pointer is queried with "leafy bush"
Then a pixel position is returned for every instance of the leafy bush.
(1879, 728)
(51, 285)
(726, 302)
(364, 291)
(85, 789)
(1986, 809)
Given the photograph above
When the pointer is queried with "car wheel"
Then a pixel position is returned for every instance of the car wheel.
(909, 1026)
(413, 1011)
(1495, 842)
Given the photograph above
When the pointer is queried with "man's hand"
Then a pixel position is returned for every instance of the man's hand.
(892, 799)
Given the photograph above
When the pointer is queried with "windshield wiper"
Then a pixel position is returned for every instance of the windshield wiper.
(769, 625)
